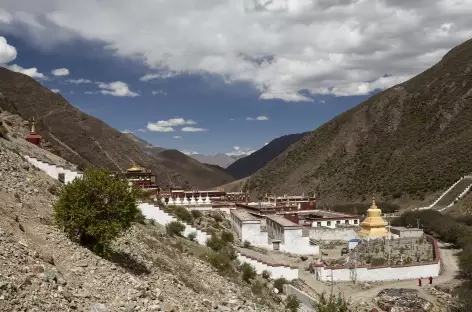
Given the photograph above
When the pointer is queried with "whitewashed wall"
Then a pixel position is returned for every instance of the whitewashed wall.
(295, 243)
(332, 223)
(328, 234)
(252, 232)
(276, 271)
(53, 171)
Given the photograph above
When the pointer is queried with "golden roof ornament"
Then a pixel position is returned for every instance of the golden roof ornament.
(32, 127)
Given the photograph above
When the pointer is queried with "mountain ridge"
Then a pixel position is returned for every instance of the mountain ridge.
(405, 144)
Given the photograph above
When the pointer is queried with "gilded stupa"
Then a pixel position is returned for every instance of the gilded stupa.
(134, 169)
(374, 225)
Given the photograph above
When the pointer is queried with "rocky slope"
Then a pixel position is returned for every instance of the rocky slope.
(193, 172)
(219, 159)
(41, 270)
(246, 166)
(405, 143)
(85, 140)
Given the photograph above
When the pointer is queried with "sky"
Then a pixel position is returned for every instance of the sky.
(225, 76)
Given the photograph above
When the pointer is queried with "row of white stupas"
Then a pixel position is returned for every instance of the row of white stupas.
(185, 201)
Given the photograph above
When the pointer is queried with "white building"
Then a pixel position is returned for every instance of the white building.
(248, 228)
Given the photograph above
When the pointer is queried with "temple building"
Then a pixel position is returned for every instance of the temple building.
(373, 225)
(33, 137)
(140, 177)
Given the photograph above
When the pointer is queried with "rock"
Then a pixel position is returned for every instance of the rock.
(98, 307)
(207, 303)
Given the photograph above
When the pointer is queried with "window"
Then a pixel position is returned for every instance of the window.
(328, 223)
(355, 221)
(346, 222)
(318, 223)
(338, 222)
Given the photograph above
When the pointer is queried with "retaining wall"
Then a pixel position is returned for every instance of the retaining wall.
(54, 171)
(276, 270)
(307, 303)
(336, 234)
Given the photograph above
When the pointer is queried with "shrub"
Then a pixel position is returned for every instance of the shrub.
(279, 284)
(175, 228)
(332, 303)
(3, 131)
(266, 274)
(96, 209)
(249, 272)
(247, 244)
(182, 214)
(257, 287)
(227, 237)
(196, 214)
(220, 262)
(215, 243)
(192, 236)
(303, 258)
(292, 303)
(218, 217)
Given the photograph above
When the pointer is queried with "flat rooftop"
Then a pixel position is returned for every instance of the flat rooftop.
(243, 215)
(404, 229)
(323, 214)
(282, 221)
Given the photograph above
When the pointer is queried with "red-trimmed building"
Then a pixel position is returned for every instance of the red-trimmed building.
(33, 137)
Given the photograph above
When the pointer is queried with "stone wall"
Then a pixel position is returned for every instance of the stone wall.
(54, 171)
(276, 270)
(380, 273)
(329, 234)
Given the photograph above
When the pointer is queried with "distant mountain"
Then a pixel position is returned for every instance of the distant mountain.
(404, 144)
(219, 159)
(87, 141)
(247, 165)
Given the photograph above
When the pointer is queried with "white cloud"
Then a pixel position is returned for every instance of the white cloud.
(8, 54)
(127, 131)
(78, 81)
(116, 88)
(156, 92)
(240, 151)
(289, 50)
(60, 72)
(155, 128)
(193, 129)
(189, 152)
(177, 137)
(32, 72)
(260, 118)
(55, 90)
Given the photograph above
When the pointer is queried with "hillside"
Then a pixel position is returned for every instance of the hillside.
(148, 270)
(197, 174)
(405, 144)
(246, 166)
(219, 159)
(87, 141)
(193, 172)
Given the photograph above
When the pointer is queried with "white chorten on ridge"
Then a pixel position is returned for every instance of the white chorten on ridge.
(186, 202)
(200, 199)
(177, 201)
(192, 201)
(207, 200)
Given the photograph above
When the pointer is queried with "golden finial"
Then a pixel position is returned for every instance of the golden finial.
(374, 206)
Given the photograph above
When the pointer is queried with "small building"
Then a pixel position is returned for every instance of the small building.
(289, 199)
(33, 137)
(141, 178)
(247, 227)
(351, 244)
(330, 219)
(404, 232)
(288, 236)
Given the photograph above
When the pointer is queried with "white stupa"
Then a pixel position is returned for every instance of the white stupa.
(200, 199)
(186, 202)
(178, 201)
(163, 200)
(171, 201)
(207, 200)
(192, 201)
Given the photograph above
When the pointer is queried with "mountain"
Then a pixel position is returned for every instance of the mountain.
(219, 159)
(406, 143)
(247, 165)
(87, 141)
(196, 174)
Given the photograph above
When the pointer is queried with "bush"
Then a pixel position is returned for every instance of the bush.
(249, 272)
(279, 284)
(96, 209)
(303, 258)
(218, 217)
(266, 274)
(192, 236)
(220, 262)
(292, 303)
(196, 214)
(215, 243)
(257, 287)
(182, 214)
(332, 303)
(227, 237)
(175, 228)
(247, 244)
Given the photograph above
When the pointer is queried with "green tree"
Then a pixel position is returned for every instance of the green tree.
(332, 303)
(175, 228)
(96, 209)
(292, 303)
(249, 272)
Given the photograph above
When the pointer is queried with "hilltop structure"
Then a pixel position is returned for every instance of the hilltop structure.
(33, 137)
(373, 225)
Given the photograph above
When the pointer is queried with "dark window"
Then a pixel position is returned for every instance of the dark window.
(355, 221)
(329, 223)
(346, 222)
(338, 222)
(318, 223)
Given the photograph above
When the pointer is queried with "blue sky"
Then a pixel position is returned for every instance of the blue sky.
(287, 65)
